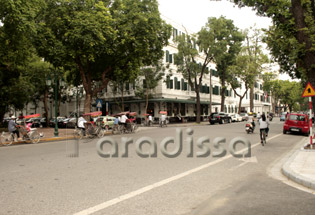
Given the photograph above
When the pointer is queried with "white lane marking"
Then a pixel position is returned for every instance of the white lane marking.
(132, 194)
(238, 166)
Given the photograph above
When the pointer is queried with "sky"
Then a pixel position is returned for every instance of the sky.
(193, 14)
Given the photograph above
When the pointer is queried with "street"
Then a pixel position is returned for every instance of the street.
(43, 179)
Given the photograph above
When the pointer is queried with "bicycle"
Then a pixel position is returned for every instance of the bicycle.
(7, 138)
(91, 132)
(78, 133)
(264, 136)
(163, 123)
(33, 135)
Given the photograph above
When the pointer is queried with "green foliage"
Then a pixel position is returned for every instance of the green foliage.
(101, 40)
(291, 38)
(228, 41)
(152, 76)
(17, 26)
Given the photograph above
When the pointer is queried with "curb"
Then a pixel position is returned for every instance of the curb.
(294, 176)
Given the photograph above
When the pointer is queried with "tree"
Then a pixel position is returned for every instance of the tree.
(291, 93)
(100, 38)
(151, 75)
(253, 46)
(217, 42)
(291, 39)
(228, 41)
(187, 62)
(241, 72)
(16, 50)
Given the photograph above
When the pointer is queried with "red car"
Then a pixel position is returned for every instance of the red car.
(296, 122)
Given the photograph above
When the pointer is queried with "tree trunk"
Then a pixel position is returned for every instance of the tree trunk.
(87, 102)
(222, 97)
(122, 98)
(198, 104)
(251, 98)
(240, 105)
(210, 103)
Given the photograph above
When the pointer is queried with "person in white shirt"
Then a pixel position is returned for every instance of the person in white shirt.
(123, 120)
(163, 119)
(251, 119)
(81, 122)
(150, 120)
(263, 125)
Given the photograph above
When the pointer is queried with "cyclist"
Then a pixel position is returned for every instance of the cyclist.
(12, 127)
(150, 120)
(163, 119)
(81, 122)
(263, 125)
(123, 120)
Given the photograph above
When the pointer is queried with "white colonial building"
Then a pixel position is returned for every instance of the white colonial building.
(172, 94)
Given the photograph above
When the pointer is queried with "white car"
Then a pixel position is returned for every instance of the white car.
(236, 118)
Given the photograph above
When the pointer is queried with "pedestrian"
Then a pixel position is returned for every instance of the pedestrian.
(12, 127)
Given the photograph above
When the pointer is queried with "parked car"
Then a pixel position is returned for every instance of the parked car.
(69, 123)
(59, 121)
(35, 122)
(219, 118)
(43, 122)
(244, 116)
(296, 123)
(236, 117)
(107, 122)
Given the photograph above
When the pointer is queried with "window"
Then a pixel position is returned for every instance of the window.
(185, 86)
(214, 72)
(174, 33)
(170, 60)
(261, 87)
(167, 53)
(256, 85)
(226, 92)
(175, 83)
(216, 90)
(182, 83)
(133, 85)
(127, 86)
(171, 84)
(168, 84)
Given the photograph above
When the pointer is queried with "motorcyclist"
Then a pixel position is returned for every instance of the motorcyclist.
(251, 120)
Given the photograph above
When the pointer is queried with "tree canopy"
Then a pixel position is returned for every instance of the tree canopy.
(100, 38)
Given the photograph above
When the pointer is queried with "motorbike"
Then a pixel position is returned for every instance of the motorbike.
(249, 128)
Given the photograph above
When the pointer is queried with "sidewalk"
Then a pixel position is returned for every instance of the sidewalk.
(300, 167)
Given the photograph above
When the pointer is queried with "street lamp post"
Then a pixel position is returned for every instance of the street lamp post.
(49, 83)
(78, 95)
(56, 133)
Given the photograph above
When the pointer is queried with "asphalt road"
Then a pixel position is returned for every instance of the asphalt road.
(43, 179)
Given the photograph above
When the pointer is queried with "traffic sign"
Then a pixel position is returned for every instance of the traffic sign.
(99, 103)
(308, 91)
